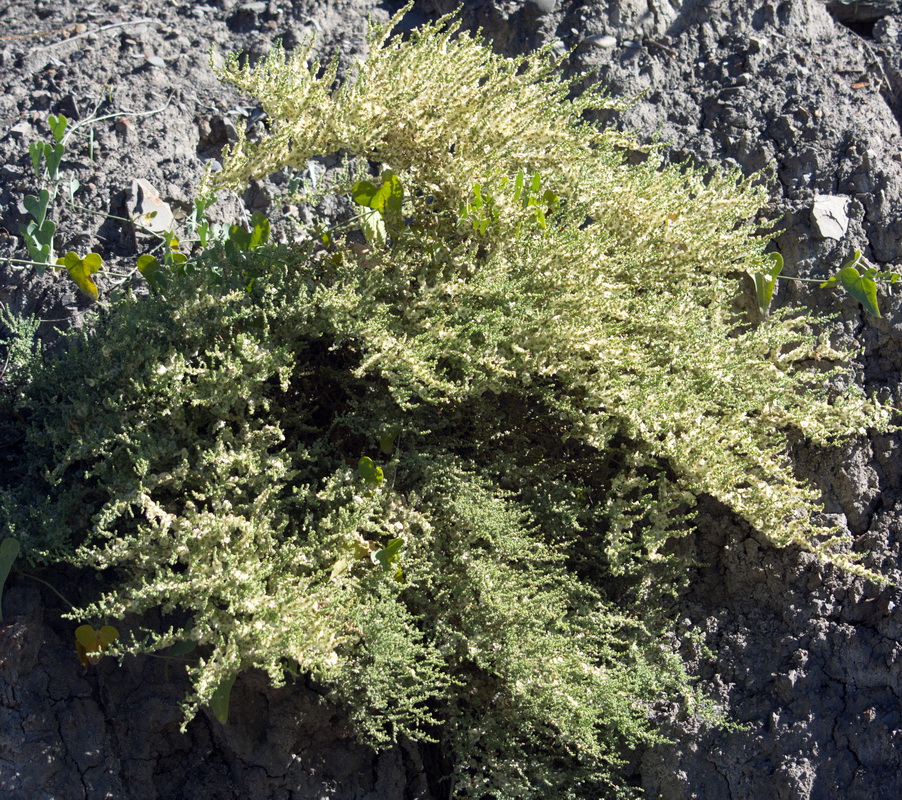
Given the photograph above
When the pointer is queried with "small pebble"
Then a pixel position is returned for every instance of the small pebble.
(156, 61)
(603, 40)
(22, 129)
(541, 7)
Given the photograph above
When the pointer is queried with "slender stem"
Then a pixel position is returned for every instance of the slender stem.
(92, 120)
(802, 280)
(49, 586)
(97, 30)
(29, 263)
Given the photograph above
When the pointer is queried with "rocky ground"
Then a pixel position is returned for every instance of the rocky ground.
(808, 660)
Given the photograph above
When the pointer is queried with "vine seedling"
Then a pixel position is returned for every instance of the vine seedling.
(861, 285)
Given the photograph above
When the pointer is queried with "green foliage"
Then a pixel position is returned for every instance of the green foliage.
(539, 350)
(862, 286)
(22, 352)
(38, 234)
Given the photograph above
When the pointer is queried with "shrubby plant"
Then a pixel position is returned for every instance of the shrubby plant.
(433, 457)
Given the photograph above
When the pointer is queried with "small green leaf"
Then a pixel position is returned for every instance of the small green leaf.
(391, 552)
(862, 287)
(387, 440)
(36, 151)
(219, 702)
(37, 205)
(372, 224)
(765, 283)
(182, 647)
(260, 229)
(81, 270)
(9, 550)
(339, 568)
(518, 185)
(540, 218)
(245, 239)
(147, 265)
(53, 154)
(57, 126)
(367, 469)
(387, 198)
(39, 242)
(363, 193)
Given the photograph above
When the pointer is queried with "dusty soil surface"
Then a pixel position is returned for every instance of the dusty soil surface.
(809, 661)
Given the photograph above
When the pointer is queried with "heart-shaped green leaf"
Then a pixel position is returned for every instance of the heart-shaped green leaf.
(53, 154)
(9, 549)
(149, 267)
(57, 126)
(37, 205)
(862, 287)
(39, 242)
(81, 270)
(363, 193)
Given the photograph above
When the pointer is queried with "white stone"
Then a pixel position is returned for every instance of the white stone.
(828, 216)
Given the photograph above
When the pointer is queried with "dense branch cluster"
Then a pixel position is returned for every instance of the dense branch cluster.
(541, 355)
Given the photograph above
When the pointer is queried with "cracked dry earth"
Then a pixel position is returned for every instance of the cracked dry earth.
(807, 659)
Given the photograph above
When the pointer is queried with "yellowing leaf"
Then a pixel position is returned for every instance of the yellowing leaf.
(81, 270)
(90, 644)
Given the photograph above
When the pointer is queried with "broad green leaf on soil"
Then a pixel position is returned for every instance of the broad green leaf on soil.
(219, 702)
(90, 644)
(81, 270)
(9, 549)
(39, 241)
(765, 283)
